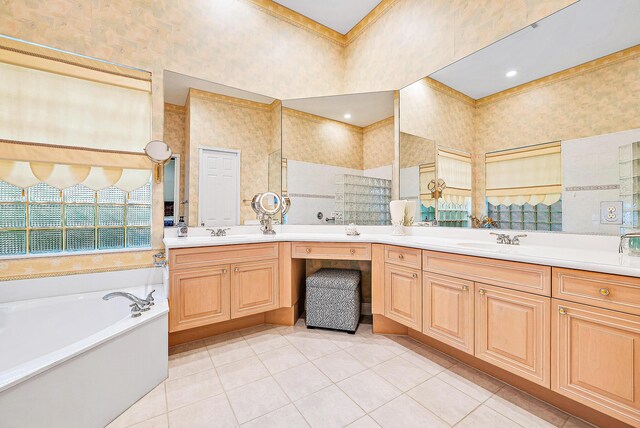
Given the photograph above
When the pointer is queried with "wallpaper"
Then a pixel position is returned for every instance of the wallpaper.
(416, 37)
(377, 144)
(217, 121)
(415, 151)
(315, 139)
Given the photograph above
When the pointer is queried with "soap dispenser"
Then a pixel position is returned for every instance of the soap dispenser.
(183, 229)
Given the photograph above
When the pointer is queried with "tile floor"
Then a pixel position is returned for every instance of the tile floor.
(271, 376)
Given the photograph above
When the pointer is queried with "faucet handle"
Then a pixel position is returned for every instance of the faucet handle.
(501, 238)
(516, 239)
(150, 298)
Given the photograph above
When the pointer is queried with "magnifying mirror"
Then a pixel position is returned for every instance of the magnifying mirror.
(159, 152)
(269, 203)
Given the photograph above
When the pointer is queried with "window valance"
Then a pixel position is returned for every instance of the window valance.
(530, 175)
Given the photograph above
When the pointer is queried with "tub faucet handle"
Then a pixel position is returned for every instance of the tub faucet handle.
(150, 299)
(136, 310)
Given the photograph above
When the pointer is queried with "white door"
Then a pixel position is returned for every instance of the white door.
(219, 191)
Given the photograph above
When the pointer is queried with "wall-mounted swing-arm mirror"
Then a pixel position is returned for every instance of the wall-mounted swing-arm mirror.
(159, 152)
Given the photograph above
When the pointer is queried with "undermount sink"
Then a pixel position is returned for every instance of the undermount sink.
(480, 245)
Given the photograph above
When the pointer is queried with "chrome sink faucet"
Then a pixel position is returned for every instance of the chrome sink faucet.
(219, 232)
(503, 238)
(138, 306)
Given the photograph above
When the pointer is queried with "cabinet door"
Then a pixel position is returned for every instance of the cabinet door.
(596, 358)
(199, 297)
(448, 310)
(403, 296)
(254, 288)
(512, 331)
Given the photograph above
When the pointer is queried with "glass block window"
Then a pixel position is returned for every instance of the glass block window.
(41, 219)
(527, 217)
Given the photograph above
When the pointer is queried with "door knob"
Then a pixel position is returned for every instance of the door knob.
(353, 251)
(481, 291)
(562, 311)
(236, 270)
(401, 256)
(415, 275)
(605, 291)
(308, 250)
(465, 288)
(224, 271)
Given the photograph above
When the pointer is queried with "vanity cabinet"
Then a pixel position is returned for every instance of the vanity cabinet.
(403, 295)
(214, 284)
(512, 331)
(448, 308)
(254, 287)
(199, 297)
(596, 358)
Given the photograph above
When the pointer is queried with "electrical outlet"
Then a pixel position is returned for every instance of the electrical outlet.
(611, 212)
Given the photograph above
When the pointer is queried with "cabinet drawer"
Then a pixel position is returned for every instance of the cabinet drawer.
(331, 250)
(621, 293)
(403, 256)
(596, 358)
(184, 258)
(517, 276)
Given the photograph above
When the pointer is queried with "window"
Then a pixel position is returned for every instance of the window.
(42, 219)
(527, 217)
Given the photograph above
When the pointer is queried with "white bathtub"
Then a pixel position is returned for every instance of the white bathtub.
(77, 360)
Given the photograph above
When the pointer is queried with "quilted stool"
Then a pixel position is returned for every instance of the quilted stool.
(333, 299)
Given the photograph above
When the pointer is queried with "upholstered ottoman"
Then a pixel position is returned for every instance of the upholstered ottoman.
(333, 299)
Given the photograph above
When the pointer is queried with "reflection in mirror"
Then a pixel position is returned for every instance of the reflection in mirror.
(551, 117)
(230, 141)
(171, 185)
(337, 158)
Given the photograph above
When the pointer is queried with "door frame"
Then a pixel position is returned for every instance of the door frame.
(201, 152)
(176, 188)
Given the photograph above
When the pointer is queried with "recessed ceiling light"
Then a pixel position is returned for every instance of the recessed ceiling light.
(511, 73)
(347, 116)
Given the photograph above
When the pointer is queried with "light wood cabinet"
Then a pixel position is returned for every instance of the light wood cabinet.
(512, 331)
(596, 358)
(448, 309)
(409, 257)
(254, 287)
(403, 295)
(199, 297)
(331, 250)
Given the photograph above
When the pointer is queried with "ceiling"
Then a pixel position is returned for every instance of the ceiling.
(582, 32)
(364, 109)
(176, 89)
(339, 15)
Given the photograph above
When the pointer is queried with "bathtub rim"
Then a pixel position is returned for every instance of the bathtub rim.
(29, 369)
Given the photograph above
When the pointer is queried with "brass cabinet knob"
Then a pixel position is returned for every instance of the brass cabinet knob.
(605, 291)
(481, 291)
(562, 311)
(401, 256)
(308, 250)
(415, 275)
(465, 288)
(224, 271)
(353, 251)
(236, 270)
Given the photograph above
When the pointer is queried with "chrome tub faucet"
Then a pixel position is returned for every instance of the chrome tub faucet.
(138, 306)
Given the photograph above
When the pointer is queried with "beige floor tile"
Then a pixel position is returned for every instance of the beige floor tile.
(312, 345)
(471, 381)
(161, 421)
(301, 381)
(403, 412)
(219, 338)
(401, 373)
(151, 405)
(187, 363)
(186, 347)
(444, 400)
(287, 416)
(230, 351)
(208, 413)
(256, 329)
(192, 388)
(432, 362)
(485, 416)
(241, 373)
(339, 365)
(525, 409)
(405, 341)
(364, 330)
(256, 399)
(266, 341)
(368, 390)
(343, 340)
(574, 422)
(388, 344)
(329, 407)
(364, 422)
(370, 354)
(282, 359)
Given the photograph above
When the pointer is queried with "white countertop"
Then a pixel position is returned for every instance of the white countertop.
(544, 249)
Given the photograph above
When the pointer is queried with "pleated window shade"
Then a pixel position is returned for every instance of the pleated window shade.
(48, 100)
(455, 169)
(530, 175)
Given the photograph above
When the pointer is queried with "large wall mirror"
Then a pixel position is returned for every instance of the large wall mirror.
(228, 146)
(337, 158)
(539, 131)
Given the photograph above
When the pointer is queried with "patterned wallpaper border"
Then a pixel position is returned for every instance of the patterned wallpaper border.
(594, 187)
(310, 195)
